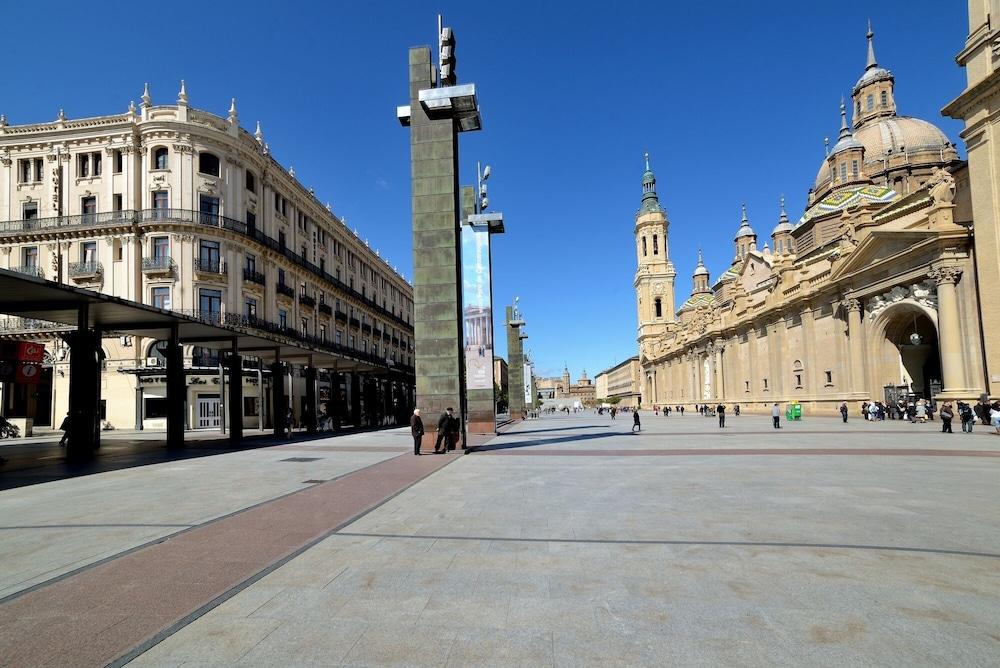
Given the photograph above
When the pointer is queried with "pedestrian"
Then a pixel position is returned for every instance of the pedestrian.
(454, 431)
(946, 415)
(416, 430)
(776, 416)
(864, 411)
(289, 419)
(922, 410)
(995, 416)
(444, 424)
(614, 411)
(682, 411)
(843, 411)
(720, 410)
(635, 422)
(736, 410)
(65, 430)
(967, 416)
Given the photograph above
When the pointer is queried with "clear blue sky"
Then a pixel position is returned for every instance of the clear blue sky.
(731, 98)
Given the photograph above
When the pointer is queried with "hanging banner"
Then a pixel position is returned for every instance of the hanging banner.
(529, 400)
(22, 351)
(477, 308)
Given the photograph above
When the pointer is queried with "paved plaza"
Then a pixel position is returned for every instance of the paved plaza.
(566, 541)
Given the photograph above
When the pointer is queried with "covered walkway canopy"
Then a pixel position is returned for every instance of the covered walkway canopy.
(94, 315)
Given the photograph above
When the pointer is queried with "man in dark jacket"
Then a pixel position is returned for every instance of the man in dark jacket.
(444, 426)
(454, 432)
(417, 430)
(720, 410)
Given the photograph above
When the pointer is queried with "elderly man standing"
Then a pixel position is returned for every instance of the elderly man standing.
(444, 427)
(417, 430)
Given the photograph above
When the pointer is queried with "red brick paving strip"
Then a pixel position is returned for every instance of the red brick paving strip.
(887, 452)
(98, 615)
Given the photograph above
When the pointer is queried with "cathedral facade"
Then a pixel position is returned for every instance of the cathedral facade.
(872, 294)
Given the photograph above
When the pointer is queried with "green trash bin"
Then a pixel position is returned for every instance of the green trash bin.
(796, 409)
(789, 413)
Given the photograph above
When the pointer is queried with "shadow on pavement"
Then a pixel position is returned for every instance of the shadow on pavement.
(542, 441)
(539, 431)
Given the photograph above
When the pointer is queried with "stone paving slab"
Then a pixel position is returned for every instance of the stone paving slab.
(116, 606)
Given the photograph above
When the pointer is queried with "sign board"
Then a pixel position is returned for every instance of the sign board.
(477, 309)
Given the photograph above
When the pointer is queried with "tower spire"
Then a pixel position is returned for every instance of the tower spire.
(871, 62)
(783, 217)
(845, 131)
(650, 200)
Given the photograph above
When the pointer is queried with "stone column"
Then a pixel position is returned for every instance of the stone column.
(752, 362)
(809, 358)
(855, 340)
(949, 330)
(720, 386)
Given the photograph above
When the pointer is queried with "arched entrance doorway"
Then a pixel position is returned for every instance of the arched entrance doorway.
(909, 362)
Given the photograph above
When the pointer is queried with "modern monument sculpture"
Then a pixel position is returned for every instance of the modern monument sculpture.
(438, 111)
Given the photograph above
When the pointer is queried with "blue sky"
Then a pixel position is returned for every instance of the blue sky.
(731, 100)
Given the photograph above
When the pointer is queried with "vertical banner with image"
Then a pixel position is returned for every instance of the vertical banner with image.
(477, 308)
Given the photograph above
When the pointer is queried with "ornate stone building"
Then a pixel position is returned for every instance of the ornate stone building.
(561, 387)
(185, 210)
(621, 382)
(871, 294)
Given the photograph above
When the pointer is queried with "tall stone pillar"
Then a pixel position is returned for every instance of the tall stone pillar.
(438, 110)
(176, 391)
(515, 364)
(856, 347)
(753, 373)
(811, 371)
(235, 409)
(720, 386)
(311, 405)
(279, 403)
(949, 330)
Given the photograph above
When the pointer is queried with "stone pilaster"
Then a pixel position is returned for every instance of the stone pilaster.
(949, 329)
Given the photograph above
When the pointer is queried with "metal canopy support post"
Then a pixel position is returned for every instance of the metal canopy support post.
(311, 415)
(260, 394)
(176, 390)
(278, 394)
(355, 399)
(235, 412)
(84, 388)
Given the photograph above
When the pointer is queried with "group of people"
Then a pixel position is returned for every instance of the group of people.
(449, 429)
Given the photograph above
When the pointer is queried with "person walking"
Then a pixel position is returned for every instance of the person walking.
(289, 419)
(946, 415)
(736, 410)
(444, 424)
(720, 410)
(776, 416)
(635, 422)
(843, 411)
(967, 416)
(65, 430)
(454, 431)
(682, 411)
(416, 430)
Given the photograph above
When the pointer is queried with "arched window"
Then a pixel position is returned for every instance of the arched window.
(658, 306)
(158, 349)
(644, 246)
(161, 158)
(797, 371)
(884, 98)
(857, 107)
(843, 171)
(208, 163)
(870, 102)
(854, 168)
(656, 246)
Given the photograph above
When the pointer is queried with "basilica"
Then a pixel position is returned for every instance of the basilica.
(871, 294)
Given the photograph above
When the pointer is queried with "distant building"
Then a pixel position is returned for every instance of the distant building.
(622, 382)
(561, 387)
(500, 375)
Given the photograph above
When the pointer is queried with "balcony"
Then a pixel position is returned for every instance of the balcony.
(355, 323)
(85, 271)
(285, 290)
(366, 328)
(341, 317)
(306, 300)
(16, 324)
(252, 276)
(29, 270)
(160, 265)
(41, 225)
(325, 309)
(209, 267)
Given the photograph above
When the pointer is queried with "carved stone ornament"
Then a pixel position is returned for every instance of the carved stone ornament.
(851, 304)
(5, 159)
(658, 288)
(923, 293)
(942, 186)
(5, 250)
(945, 274)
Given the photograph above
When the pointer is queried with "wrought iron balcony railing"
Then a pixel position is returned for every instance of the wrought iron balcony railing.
(159, 264)
(340, 316)
(286, 290)
(253, 276)
(85, 269)
(28, 270)
(306, 300)
(325, 309)
(207, 265)
(104, 219)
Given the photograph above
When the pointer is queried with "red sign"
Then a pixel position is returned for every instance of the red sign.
(28, 373)
(22, 351)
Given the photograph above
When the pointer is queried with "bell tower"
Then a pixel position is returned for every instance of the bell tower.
(654, 278)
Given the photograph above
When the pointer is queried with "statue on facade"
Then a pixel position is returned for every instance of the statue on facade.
(942, 186)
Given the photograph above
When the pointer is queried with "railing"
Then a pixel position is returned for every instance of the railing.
(106, 218)
(340, 316)
(306, 300)
(209, 265)
(130, 216)
(16, 324)
(28, 270)
(211, 361)
(162, 263)
(253, 276)
(355, 323)
(286, 290)
(366, 328)
(85, 269)
(325, 309)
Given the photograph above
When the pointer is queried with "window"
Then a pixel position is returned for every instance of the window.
(746, 383)
(30, 210)
(160, 297)
(88, 206)
(857, 108)
(798, 381)
(644, 246)
(281, 276)
(161, 247)
(208, 255)
(251, 262)
(250, 308)
(160, 199)
(843, 171)
(322, 333)
(658, 304)
(251, 221)
(88, 251)
(161, 158)
(854, 168)
(829, 378)
(116, 202)
(117, 160)
(282, 318)
(305, 325)
(209, 209)
(116, 250)
(656, 246)
(208, 163)
(353, 342)
(251, 182)
(870, 102)
(210, 302)
(250, 406)
(95, 163)
(339, 337)
(884, 99)
(30, 256)
(83, 165)
(281, 239)
(322, 265)
(765, 384)
(155, 408)
(24, 171)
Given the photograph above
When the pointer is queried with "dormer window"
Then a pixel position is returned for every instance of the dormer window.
(870, 102)
(843, 171)
(884, 99)
(854, 168)
(658, 306)
(208, 163)
(644, 246)
(656, 247)
(161, 158)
